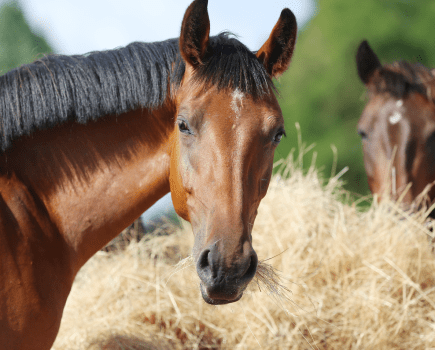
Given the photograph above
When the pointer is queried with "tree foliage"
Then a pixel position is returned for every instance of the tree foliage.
(322, 91)
(18, 43)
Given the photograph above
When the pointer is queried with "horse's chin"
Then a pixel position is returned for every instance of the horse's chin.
(212, 301)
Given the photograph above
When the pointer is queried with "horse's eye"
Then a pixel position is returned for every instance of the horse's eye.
(183, 127)
(278, 137)
(363, 134)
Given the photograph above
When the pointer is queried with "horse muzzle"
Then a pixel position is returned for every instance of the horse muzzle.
(223, 283)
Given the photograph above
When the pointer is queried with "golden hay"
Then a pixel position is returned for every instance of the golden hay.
(342, 279)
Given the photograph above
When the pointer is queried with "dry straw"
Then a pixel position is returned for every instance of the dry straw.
(332, 277)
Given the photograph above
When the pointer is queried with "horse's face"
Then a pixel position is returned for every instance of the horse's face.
(398, 137)
(221, 163)
(225, 143)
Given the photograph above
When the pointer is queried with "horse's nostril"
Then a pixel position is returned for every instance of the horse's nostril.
(252, 268)
(203, 259)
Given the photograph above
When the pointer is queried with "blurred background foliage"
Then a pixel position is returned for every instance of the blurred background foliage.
(18, 43)
(321, 90)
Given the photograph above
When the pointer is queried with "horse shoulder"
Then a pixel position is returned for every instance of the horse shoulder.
(33, 270)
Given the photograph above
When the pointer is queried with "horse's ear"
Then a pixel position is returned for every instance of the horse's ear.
(367, 62)
(195, 31)
(277, 51)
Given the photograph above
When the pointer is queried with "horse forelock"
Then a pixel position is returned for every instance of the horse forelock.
(229, 64)
(401, 78)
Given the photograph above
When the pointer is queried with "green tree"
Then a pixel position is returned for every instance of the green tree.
(322, 91)
(18, 43)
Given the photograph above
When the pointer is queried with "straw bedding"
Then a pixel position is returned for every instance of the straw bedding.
(341, 279)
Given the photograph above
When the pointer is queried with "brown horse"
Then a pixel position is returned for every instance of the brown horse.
(90, 142)
(397, 126)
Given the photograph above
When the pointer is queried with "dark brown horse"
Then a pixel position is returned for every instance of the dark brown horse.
(90, 142)
(397, 126)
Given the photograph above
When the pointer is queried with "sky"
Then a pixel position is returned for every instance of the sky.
(81, 26)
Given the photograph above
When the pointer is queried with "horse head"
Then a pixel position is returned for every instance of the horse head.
(397, 126)
(228, 126)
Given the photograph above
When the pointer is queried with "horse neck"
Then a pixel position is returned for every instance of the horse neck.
(96, 179)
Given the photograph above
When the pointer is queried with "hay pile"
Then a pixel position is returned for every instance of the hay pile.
(349, 280)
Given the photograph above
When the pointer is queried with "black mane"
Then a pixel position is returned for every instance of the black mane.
(57, 88)
(401, 78)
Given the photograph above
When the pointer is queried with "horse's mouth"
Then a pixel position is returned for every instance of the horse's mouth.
(218, 301)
